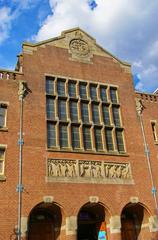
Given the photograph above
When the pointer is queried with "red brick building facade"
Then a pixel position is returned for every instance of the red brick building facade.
(90, 151)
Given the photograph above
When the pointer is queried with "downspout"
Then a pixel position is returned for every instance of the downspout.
(21, 93)
(140, 107)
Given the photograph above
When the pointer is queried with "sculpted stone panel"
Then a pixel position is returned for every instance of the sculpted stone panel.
(88, 171)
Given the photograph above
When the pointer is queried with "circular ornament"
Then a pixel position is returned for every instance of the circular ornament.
(79, 47)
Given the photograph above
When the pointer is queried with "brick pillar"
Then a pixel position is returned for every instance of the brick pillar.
(115, 228)
(71, 228)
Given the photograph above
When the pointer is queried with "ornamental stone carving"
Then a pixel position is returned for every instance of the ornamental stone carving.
(79, 47)
(88, 171)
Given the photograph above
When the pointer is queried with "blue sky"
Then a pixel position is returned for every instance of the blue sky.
(127, 29)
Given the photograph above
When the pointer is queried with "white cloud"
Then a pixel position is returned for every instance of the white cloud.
(5, 22)
(153, 52)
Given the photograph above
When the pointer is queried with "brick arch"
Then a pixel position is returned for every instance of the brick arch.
(135, 221)
(45, 219)
(91, 218)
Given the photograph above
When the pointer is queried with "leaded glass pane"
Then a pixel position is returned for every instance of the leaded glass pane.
(109, 140)
(62, 110)
(50, 85)
(50, 108)
(113, 95)
(51, 134)
(106, 116)
(72, 89)
(93, 92)
(2, 116)
(87, 138)
(61, 87)
(95, 113)
(98, 139)
(103, 94)
(63, 136)
(116, 116)
(73, 111)
(85, 112)
(75, 137)
(119, 139)
(83, 90)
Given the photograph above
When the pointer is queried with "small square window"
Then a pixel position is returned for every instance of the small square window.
(2, 157)
(3, 113)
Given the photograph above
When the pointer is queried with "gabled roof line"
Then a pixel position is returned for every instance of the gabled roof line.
(71, 30)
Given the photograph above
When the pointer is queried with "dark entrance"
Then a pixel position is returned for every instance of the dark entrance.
(90, 219)
(43, 220)
(131, 221)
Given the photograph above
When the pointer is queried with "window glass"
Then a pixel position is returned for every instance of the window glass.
(113, 95)
(51, 134)
(63, 136)
(98, 139)
(50, 85)
(61, 87)
(95, 113)
(116, 116)
(72, 89)
(83, 90)
(106, 116)
(87, 138)
(50, 108)
(73, 111)
(119, 139)
(109, 140)
(3, 116)
(153, 125)
(103, 94)
(62, 110)
(75, 137)
(93, 92)
(85, 112)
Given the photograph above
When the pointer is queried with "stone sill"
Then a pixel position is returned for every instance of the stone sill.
(88, 152)
(4, 129)
(2, 178)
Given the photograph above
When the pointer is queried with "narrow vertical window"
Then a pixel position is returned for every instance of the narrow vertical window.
(113, 95)
(72, 88)
(153, 126)
(62, 110)
(93, 92)
(109, 140)
(50, 85)
(87, 138)
(119, 140)
(83, 90)
(103, 94)
(61, 87)
(2, 154)
(63, 136)
(3, 111)
(73, 111)
(95, 113)
(116, 116)
(50, 108)
(51, 134)
(85, 112)
(75, 137)
(106, 116)
(98, 139)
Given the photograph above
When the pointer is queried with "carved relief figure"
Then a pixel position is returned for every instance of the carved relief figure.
(85, 169)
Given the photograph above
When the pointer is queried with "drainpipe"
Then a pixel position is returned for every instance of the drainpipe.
(21, 93)
(140, 107)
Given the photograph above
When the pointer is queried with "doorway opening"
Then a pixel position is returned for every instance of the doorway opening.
(44, 222)
(91, 222)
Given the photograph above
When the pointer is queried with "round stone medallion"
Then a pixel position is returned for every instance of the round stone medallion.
(79, 47)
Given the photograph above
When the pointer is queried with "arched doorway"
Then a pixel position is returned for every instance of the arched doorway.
(91, 220)
(133, 217)
(44, 222)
